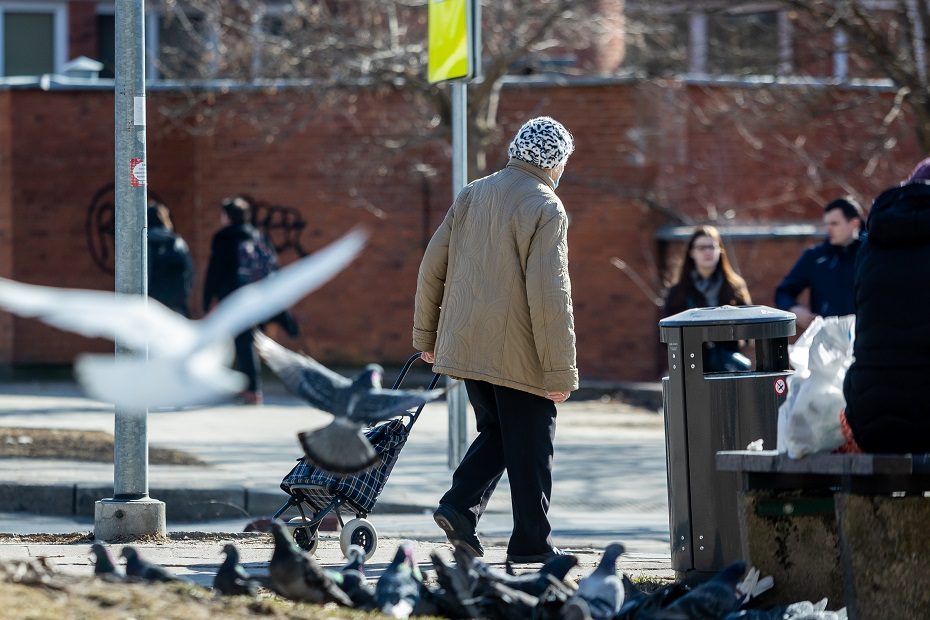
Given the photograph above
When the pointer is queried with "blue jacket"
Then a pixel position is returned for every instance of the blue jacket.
(827, 270)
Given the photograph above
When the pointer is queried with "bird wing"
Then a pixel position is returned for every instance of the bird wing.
(256, 303)
(301, 374)
(136, 383)
(379, 405)
(132, 320)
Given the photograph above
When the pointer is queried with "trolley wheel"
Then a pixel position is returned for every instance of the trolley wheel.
(359, 532)
(307, 538)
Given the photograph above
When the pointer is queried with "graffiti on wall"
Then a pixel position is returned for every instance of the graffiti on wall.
(282, 225)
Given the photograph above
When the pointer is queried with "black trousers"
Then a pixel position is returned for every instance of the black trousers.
(515, 434)
(247, 360)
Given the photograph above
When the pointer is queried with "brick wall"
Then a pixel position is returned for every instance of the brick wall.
(645, 150)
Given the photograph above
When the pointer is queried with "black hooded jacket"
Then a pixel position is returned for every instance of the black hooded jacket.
(886, 404)
(171, 270)
(223, 268)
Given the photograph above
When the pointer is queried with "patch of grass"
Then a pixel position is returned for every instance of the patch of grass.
(93, 599)
(77, 445)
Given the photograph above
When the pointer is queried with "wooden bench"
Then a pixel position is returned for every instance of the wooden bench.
(851, 527)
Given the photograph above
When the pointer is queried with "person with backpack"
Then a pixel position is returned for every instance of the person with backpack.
(170, 267)
(239, 255)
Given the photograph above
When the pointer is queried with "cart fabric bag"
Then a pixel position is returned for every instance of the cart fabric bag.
(363, 489)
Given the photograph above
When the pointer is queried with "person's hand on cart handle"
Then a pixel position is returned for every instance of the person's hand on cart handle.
(427, 356)
(558, 397)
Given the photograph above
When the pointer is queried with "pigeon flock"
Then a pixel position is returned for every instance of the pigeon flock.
(471, 588)
(340, 447)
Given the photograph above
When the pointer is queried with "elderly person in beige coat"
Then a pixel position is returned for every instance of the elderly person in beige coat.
(494, 308)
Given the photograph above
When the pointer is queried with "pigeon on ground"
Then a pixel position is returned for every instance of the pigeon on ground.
(187, 362)
(353, 582)
(231, 578)
(714, 599)
(637, 603)
(340, 447)
(398, 589)
(551, 574)
(104, 565)
(140, 569)
(802, 610)
(453, 597)
(297, 576)
(602, 590)
(576, 609)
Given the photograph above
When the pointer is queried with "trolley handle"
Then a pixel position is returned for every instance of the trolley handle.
(400, 379)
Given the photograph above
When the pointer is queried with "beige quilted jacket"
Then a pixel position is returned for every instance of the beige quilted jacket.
(494, 300)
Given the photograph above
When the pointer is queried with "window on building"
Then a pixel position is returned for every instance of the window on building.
(739, 44)
(33, 38)
(106, 43)
(713, 39)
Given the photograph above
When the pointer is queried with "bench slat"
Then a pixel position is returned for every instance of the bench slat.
(770, 461)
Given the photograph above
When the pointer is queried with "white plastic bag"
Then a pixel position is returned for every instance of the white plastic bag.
(808, 420)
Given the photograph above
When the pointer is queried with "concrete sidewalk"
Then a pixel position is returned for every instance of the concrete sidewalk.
(609, 471)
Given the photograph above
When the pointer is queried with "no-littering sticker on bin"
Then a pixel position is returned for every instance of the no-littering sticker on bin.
(780, 386)
(137, 172)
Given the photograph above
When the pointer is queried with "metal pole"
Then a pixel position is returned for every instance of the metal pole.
(130, 513)
(130, 463)
(457, 401)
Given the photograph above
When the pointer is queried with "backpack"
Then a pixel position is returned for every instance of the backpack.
(257, 260)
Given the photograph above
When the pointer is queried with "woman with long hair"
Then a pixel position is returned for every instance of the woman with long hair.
(707, 279)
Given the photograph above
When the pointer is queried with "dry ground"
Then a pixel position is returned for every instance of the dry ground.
(76, 445)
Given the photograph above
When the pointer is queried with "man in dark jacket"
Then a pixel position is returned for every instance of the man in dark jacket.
(886, 405)
(225, 275)
(171, 270)
(826, 269)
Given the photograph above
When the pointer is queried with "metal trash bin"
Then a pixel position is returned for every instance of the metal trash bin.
(707, 412)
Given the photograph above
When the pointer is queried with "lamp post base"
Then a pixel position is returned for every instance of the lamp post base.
(126, 519)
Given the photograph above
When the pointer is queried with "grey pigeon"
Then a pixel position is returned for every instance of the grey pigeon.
(398, 589)
(340, 447)
(353, 582)
(552, 574)
(140, 569)
(104, 566)
(637, 603)
(180, 362)
(453, 597)
(602, 590)
(297, 576)
(714, 599)
(802, 610)
(576, 609)
(231, 578)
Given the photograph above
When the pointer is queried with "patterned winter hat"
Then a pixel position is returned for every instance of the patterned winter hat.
(543, 142)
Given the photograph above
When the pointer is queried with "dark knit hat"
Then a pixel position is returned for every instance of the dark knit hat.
(543, 142)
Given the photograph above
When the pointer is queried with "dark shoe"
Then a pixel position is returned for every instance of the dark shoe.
(538, 558)
(458, 529)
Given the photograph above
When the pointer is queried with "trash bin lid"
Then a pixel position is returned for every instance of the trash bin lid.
(727, 315)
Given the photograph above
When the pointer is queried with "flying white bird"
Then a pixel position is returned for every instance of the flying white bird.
(187, 360)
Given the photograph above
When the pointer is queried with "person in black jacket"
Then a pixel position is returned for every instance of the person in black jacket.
(224, 275)
(170, 268)
(707, 279)
(886, 406)
(826, 269)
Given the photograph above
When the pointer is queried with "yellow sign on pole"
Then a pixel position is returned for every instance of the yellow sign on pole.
(451, 40)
